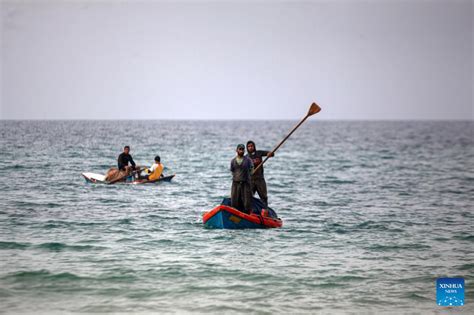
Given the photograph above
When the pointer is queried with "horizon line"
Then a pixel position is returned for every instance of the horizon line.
(243, 120)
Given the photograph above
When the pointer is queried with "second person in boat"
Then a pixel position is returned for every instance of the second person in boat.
(155, 171)
(258, 183)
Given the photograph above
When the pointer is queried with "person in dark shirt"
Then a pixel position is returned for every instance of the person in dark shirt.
(241, 167)
(118, 174)
(258, 183)
(124, 159)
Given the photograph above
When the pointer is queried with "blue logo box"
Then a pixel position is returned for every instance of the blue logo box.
(450, 291)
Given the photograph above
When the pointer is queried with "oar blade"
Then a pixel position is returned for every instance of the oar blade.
(314, 109)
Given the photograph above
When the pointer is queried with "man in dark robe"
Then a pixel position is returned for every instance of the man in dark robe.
(241, 167)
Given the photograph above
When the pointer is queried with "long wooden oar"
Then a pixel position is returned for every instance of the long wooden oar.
(313, 109)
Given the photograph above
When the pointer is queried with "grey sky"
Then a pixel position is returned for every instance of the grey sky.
(236, 60)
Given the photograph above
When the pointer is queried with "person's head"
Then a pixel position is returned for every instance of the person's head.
(126, 149)
(250, 146)
(240, 150)
(157, 159)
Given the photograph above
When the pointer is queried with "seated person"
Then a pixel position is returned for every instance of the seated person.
(123, 168)
(155, 171)
(125, 159)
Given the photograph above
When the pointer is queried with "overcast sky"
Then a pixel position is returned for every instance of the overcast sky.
(236, 60)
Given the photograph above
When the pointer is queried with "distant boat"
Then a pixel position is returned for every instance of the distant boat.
(225, 217)
(100, 179)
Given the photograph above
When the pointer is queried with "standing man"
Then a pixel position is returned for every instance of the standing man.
(258, 183)
(124, 159)
(241, 167)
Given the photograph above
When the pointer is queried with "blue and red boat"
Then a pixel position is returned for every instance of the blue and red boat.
(225, 217)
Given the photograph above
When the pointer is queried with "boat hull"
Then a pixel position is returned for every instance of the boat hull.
(226, 217)
(100, 179)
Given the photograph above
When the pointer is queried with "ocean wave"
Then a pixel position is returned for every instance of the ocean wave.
(41, 275)
(337, 181)
(360, 227)
(464, 237)
(396, 247)
(13, 245)
(416, 296)
(124, 221)
(45, 276)
(469, 266)
(57, 247)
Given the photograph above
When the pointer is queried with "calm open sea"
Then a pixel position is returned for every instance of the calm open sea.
(374, 213)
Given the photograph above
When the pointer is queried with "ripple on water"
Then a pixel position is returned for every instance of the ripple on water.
(57, 247)
(14, 245)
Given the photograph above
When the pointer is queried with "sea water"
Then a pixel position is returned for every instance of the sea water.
(373, 212)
